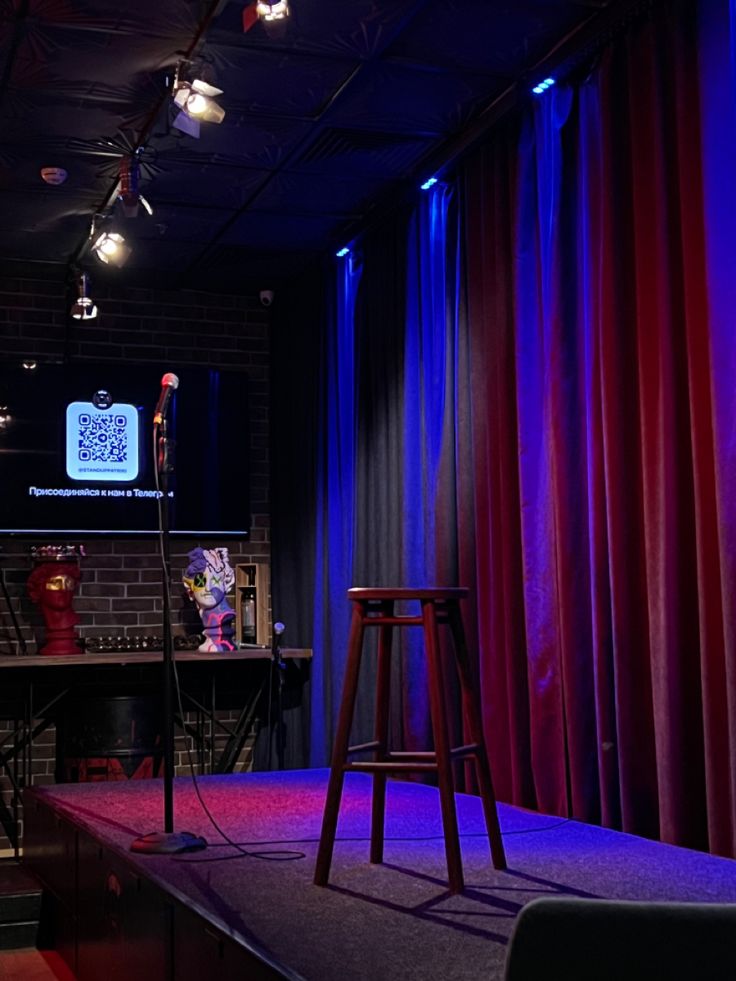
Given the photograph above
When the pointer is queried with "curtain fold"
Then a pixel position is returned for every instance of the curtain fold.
(335, 506)
(387, 466)
(429, 508)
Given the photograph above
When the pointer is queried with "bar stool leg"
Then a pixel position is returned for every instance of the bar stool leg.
(380, 734)
(442, 748)
(471, 707)
(340, 749)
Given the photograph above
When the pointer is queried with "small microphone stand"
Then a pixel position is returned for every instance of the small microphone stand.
(168, 841)
(278, 664)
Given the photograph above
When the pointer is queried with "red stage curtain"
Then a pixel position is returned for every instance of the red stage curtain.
(601, 531)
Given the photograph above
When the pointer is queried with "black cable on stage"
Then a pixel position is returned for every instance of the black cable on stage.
(272, 856)
(363, 838)
(280, 855)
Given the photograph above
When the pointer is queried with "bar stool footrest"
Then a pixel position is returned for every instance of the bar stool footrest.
(391, 766)
(372, 746)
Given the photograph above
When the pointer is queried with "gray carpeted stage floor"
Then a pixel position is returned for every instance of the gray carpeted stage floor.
(389, 922)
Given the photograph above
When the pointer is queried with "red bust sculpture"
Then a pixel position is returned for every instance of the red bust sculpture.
(51, 586)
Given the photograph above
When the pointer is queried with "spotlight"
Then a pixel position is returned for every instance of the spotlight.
(342, 252)
(430, 182)
(111, 249)
(197, 100)
(270, 10)
(30, 365)
(6, 419)
(84, 307)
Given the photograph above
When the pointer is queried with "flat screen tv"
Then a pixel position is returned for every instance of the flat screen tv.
(77, 457)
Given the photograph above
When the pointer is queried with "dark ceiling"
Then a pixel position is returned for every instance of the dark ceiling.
(329, 116)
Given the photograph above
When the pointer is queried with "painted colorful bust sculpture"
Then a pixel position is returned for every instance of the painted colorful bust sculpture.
(51, 586)
(208, 578)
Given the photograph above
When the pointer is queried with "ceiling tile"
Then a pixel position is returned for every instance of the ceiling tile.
(474, 35)
(307, 194)
(413, 101)
(270, 230)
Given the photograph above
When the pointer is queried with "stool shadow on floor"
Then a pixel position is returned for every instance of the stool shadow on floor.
(424, 911)
(438, 908)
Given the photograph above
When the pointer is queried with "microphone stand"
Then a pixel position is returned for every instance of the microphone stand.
(278, 663)
(168, 841)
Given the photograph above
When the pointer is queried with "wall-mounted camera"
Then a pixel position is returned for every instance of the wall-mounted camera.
(266, 297)
(102, 399)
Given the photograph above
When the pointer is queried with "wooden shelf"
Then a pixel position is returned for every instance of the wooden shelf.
(252, 589)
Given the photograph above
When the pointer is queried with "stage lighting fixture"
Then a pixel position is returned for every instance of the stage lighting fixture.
(110, 248)
(84, 307)
(342, 252)
(430, 182)
(543, 86)
(197, 100)
(269, 10)
(129, 194)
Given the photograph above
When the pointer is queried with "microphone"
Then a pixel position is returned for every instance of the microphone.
(169, 384)
(278, 629)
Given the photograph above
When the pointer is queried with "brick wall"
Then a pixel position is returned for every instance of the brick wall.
(119, 593)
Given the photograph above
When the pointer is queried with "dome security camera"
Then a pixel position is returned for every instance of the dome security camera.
(102, 399)
(266, 297)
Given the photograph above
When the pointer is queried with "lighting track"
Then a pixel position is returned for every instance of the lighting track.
(213, 10)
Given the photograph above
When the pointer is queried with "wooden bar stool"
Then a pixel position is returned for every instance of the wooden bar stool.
(375, 608)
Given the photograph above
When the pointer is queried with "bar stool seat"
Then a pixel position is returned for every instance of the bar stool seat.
(375, 607)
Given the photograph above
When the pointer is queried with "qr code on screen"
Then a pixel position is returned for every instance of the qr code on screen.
(103, 438)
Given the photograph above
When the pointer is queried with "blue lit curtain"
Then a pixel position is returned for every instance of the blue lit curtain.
(335, 506)
(429, 523)
(387, 467)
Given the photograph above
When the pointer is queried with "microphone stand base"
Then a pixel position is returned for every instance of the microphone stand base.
(168, 843)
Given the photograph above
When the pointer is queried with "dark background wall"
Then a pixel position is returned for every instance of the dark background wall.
(120, 593)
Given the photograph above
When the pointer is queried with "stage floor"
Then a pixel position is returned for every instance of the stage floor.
(393, 921)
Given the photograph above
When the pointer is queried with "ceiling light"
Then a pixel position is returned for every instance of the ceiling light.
(430, 182)
(342, 252)
(30, 365)
(543, 86)
(269, 10)
(111, 249)
(84, 306)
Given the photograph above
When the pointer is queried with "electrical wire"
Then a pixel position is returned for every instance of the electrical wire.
(437, 837)
(278, 855)
(364, 838)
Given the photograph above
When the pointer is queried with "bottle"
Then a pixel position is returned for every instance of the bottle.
(248, 615)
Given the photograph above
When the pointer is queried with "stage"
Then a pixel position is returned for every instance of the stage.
(159, 916)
